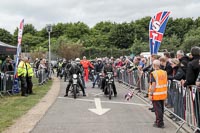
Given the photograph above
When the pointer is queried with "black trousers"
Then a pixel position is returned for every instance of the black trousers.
(23, 85)
(29, 85)
(158, 105)
(70, 83)
(104, 84)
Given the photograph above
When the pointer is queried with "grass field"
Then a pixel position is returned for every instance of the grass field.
(12, 107)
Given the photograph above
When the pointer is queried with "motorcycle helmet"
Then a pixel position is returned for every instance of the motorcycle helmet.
(77, 60)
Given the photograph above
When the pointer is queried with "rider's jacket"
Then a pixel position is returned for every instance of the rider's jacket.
(98, 67)
(108, 68)
(74, 69)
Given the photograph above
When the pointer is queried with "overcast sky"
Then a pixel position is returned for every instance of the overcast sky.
(42, 12)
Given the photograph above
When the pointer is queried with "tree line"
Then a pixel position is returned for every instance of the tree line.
(106, 38)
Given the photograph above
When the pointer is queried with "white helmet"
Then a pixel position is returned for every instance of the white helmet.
(77, 59)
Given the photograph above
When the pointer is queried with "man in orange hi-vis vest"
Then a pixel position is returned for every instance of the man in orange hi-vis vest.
(86, 64)
(158, 92)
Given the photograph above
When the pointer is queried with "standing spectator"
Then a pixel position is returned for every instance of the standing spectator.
(36, 65)
(29, 76)
(193, 70)
(149, 68)
(183, 59)
(7, 65)
(193, 67)
(178, 73)
(21, 71)
(158, 92)
(86, 64)
(167, 56)
(42, 69)
(118, 65)
(165, 65)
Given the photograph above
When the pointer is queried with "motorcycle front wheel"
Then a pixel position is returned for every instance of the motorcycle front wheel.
(110, 91)
(74, 90)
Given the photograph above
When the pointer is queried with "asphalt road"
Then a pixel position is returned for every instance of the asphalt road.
(68, 115)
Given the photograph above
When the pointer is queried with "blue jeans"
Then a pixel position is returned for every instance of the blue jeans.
(96, 77)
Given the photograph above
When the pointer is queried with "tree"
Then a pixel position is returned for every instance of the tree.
(76, 31)
(179, 27)
(180, 33)
(139, 46)
(58, 30)
(121, 36)
(5, 36)
(29, 28)
(191, 39)
(99, 35)
(15, 36)
(171, 43)
(141, 28)
(31, 41)
(66, 47)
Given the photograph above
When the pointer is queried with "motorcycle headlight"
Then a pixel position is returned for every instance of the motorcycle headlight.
(75, 76)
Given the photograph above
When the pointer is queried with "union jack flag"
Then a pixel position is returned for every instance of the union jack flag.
(156, 30)
(15, 81)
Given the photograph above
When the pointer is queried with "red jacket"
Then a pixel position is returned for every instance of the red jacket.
(86, 64)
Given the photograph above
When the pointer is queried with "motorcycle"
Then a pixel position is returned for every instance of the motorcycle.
(75, 86)
(109, 84)
(91, 75)
(99, 81)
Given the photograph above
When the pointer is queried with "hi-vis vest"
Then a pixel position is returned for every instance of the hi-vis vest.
(160, 91)
(60, 64)
(21, 69)
(29, 70)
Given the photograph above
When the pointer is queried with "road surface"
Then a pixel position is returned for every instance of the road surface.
(95, 113)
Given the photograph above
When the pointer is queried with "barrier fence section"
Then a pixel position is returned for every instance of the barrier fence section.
(6, 82)
(7, 79)
(182, 102)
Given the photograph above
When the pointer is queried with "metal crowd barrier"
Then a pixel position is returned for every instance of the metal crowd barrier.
(6, 82)
(1, 84)
(7, 79)
(185, 102)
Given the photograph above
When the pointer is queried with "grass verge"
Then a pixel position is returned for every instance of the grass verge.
(12, 107)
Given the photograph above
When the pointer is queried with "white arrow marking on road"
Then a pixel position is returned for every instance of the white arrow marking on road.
(98, 110)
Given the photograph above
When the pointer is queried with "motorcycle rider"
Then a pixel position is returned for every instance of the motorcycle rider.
(82, 71)
(63, 73)
(98, 69)
(74, 69)
(108, 68)
(59, 67)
